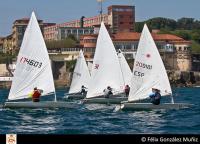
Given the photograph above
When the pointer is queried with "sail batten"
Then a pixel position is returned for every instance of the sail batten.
(33, 68)
(148, 70)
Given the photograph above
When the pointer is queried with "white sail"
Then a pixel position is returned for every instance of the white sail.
(148, 70)
(125, 69)
(81, 75)
(106, 68)
(33, 67)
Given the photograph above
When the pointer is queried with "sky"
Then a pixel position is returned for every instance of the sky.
(59, 11)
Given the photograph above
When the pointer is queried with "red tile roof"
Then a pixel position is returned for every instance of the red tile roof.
(126, 36)
(166, 37)
(133, 36)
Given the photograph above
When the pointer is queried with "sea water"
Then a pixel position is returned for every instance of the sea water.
(103, 119)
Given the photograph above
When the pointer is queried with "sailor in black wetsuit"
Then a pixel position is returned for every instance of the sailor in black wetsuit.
(155, 96)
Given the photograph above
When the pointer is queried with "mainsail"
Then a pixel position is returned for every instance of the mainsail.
(106, 68)
(125, 69)
(33, 68)
(81, 75)
(148, 70)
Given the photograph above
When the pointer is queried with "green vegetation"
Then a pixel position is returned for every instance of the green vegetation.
(195, 47)
(6, 58)
(70, 41)
(186, 28)
(70, 65)
(130, 63)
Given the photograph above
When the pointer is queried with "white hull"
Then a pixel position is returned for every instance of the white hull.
(47, 104)
(150, 106)
(112, 100)
(75, 96)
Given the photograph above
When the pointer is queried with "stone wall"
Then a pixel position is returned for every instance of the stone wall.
(62, 77)
(3, 70)
(184, 78)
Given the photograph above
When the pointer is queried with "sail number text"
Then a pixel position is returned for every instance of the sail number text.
(31, 62)
(143, 65)
(139, 74)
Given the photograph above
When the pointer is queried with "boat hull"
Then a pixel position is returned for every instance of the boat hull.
(76, 96)
(47, 104)
(113, 100)
(150, 106)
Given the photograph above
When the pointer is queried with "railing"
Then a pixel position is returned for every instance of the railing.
(61, 50)
(6, 78)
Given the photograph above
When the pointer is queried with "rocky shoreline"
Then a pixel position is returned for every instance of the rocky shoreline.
(176, 78)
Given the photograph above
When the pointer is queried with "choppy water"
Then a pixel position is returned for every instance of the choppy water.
(99, 119)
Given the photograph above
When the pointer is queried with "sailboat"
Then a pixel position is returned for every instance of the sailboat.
(125, 69)
(105, 71)
(81, 77)
(149, 72)
(33, 69)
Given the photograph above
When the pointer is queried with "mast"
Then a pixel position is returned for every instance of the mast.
(101, 9)
(172, 99)
(55, 97)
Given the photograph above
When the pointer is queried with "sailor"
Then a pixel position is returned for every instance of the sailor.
(83, 91)
(155, 96)
(126, 90)
(108, 92)
(36, 95)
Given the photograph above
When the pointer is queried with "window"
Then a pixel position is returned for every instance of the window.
(92, 31)
(185, 49)
(86, 32)
(62, 31)
(69, 31)
(179, 48)
(74, 31)
(80, 31)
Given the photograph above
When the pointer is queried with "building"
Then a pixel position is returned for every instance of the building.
(196, 62)
(12, 43)
(120, 18)
(175, 51)
(52, 32)
(18, 29)
(1, 44)
(64, 32)
(8, 45)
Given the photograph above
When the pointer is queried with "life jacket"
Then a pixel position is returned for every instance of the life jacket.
(127, 89)
(157, 96)
(36, 94)
(108, 92)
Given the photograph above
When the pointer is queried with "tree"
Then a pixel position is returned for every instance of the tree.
(183, 34)
(196, 35)
(139, 26)
(185, 23)
(68, 42)
(159, 22)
